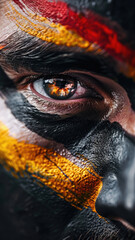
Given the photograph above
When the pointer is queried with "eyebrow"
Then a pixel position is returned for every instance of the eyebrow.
(33, 54)
(87, 24)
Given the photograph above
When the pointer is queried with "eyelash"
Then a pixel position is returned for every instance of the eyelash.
(90, 102)
(37, 87)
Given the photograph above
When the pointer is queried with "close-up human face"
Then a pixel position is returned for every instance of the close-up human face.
(67, 120)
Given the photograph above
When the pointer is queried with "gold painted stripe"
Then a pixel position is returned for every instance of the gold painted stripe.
(48, 31)
(58, 34)
(79, 186)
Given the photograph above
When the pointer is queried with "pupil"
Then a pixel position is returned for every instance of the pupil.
(61, 84)
(59, 89)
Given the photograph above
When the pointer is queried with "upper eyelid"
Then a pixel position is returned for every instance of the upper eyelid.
(66, 75)
(61, 107)
(48, 56)
(82, 76)
(93, 87)
(22, 83)
(92, 94)
(32, 78)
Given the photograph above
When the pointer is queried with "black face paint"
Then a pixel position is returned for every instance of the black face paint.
(47, 125)
(116, 199)
(37, 218)
(33, 209)
(105, 145)
(79, 135)
(101, 145)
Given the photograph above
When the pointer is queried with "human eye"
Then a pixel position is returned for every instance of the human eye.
(58, 88)
(62, 88)
(67, 94)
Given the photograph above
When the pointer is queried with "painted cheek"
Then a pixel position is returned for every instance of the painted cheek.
(79, 186)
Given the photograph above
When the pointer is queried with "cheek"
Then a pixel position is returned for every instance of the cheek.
(80, 186)
(48, 162)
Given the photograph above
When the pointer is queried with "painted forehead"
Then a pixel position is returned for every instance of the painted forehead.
(59, 23)
(115, 10)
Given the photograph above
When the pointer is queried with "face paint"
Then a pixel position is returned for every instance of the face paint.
(79, 186)
(86, 31)
(2, 46)
(48, 31)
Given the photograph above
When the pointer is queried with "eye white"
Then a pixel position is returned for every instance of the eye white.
(38, 86)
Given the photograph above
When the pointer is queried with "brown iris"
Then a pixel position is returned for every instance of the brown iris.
(59, 89)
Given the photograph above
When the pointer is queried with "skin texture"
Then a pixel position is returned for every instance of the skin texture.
(67, 166)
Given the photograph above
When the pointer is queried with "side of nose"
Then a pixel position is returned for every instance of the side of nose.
(117, 197)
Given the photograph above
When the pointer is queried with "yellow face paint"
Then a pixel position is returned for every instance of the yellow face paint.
(58, 34)
(79, 186)
(48, 31)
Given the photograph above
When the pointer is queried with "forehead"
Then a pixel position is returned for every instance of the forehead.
(115, 10)
(109, 10)
(81, 17)
(81, 24)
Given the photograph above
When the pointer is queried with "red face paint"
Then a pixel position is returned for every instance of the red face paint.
(1, 47)
(89, 26)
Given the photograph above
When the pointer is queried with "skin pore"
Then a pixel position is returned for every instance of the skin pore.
(68, 151)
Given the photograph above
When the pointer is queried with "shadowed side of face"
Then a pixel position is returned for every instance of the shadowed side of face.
(67, 121)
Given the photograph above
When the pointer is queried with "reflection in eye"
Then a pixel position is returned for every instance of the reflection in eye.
(57, 88)
(61, 89)
(67, 95)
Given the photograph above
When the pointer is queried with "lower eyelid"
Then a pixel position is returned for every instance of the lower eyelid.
(95, 107)
(89, 100)
(56, 102)
(66, 109)
(45, 106)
